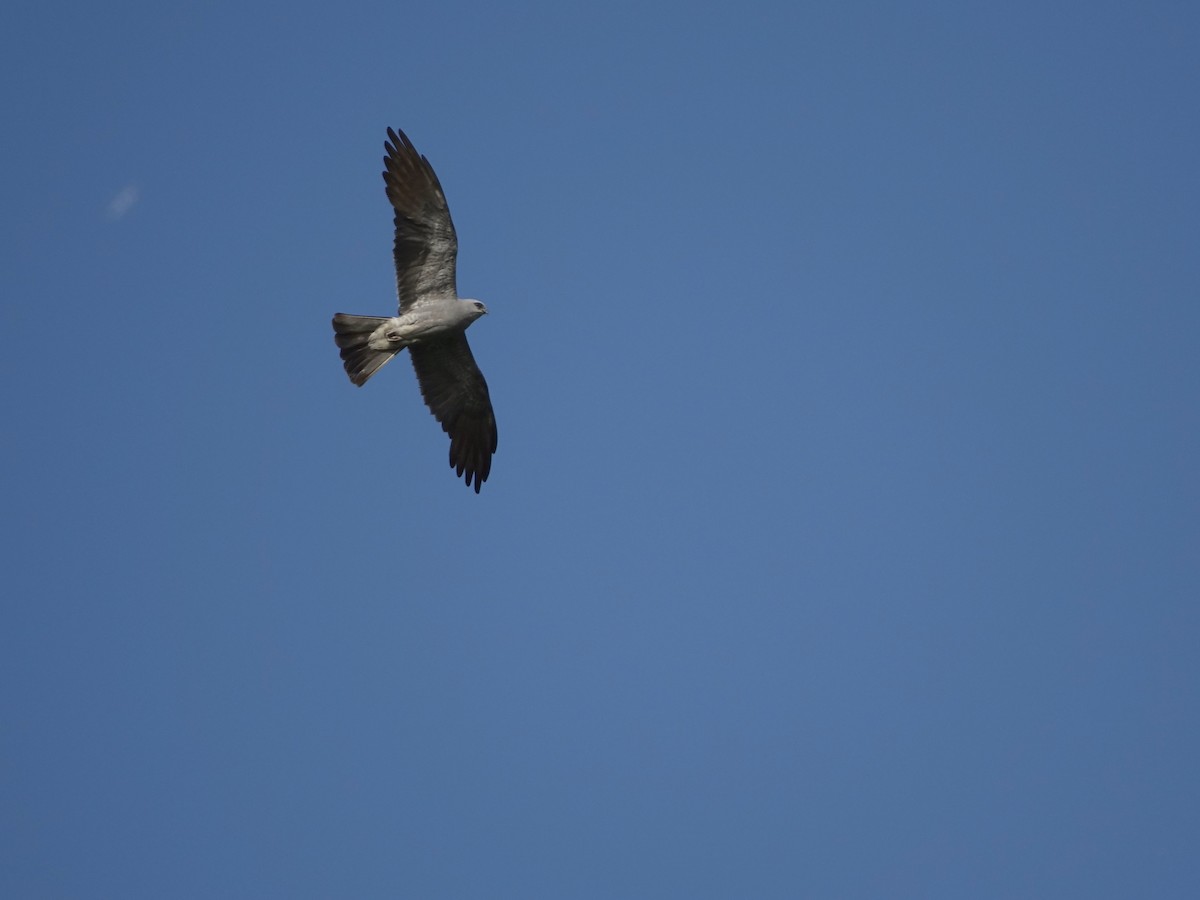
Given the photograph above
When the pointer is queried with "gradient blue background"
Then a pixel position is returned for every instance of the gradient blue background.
(844, 535)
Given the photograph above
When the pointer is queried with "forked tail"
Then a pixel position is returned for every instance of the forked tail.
(352, 334)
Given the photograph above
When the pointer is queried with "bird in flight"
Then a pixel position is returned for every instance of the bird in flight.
(432, 320)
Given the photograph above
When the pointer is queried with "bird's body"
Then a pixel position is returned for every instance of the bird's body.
(428, 321)
(432, 318)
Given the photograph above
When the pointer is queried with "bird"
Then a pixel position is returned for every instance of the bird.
(432, 319)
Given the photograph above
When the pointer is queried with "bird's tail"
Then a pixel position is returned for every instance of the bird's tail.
(352, 333)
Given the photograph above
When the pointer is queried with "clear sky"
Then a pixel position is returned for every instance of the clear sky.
(844, 535)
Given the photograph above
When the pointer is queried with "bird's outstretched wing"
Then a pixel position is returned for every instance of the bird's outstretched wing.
(455, 392)
(426, 246)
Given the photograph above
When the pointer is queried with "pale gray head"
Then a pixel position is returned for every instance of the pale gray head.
(474, 309)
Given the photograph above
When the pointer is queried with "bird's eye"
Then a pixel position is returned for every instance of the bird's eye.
(393, 335)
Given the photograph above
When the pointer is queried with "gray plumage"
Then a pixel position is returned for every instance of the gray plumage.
(432, 320)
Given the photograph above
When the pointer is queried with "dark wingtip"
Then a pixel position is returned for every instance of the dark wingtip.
(473, 466)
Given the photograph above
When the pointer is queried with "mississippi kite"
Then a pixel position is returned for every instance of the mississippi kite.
(433, 319)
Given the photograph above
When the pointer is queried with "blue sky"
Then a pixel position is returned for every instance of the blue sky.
(844, 535)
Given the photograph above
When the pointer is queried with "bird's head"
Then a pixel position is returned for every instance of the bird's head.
(475, 309)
